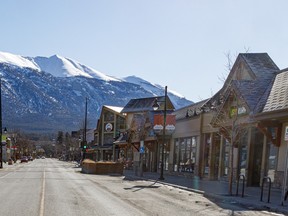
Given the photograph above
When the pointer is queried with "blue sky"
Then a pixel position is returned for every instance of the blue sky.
(178, 43)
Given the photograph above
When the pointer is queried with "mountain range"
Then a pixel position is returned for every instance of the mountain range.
(48, 94)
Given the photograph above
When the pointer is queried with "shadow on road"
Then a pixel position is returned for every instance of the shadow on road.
(141, 187)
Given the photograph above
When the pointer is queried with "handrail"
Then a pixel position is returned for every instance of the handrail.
(243, 184)
(269, 188)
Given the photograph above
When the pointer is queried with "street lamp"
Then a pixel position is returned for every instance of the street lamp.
(155, 107)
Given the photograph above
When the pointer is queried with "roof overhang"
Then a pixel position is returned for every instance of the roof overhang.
(273, 116)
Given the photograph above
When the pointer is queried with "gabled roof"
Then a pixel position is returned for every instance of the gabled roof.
(259, 66)
(254, 87)
(114, 108)
(260, 63)
(145, 104)
(278, 97)
(264, 70)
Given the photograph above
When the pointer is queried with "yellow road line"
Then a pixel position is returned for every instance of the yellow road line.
(43, 195)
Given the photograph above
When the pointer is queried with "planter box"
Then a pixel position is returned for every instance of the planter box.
(92, 167)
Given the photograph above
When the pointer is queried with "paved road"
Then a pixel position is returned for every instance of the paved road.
(48, 187)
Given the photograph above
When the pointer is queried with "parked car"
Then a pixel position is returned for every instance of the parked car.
(30, 158)
(24, 159)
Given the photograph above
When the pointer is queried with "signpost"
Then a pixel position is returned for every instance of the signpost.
(142, 151)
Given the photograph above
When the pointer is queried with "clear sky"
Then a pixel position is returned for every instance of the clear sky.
(178, 43)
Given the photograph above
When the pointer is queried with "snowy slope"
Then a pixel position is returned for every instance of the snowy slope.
(17, 60)
(153, 88)
(56, 65)
(64, 67)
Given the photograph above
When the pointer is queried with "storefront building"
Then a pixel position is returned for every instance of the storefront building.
(234, 108)
(231, 134)
(143, 143)
(238, 132)
(273, 122)
(186, 140)
(196, 144)
(110, 126)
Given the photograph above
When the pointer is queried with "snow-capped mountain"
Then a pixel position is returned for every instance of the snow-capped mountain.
(48, 94)
(63, 67)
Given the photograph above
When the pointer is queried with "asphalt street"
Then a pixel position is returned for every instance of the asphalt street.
(48, 187)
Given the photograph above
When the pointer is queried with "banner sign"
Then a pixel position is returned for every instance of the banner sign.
(159, 122)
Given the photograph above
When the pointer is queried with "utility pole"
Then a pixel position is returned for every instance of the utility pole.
(85, 131)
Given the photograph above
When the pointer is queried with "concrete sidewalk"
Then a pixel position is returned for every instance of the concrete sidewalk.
(218, 191)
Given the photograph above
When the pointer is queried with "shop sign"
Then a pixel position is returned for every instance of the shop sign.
(108, 127)
(241, 110)
(237, 110)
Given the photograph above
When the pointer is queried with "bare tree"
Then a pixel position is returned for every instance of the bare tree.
(229, 64)
(229, 118)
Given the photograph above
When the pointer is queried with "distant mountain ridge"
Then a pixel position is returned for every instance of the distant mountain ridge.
(47, 94)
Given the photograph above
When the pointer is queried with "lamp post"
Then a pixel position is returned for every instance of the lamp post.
(155, 107)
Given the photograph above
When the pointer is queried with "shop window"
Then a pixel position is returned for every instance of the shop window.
(242, 155)
(108, 116)
(108, 138)
(206, 154)
(185, 154)
(120, 123)
(176, 155)
(226, 157)
(271, 160)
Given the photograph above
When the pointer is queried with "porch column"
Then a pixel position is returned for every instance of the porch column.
(198, 156)
(264, 158)
(114, 153)
(248, 160)
(171, 155)
(202, 156)
(221, 158)
(211, 157)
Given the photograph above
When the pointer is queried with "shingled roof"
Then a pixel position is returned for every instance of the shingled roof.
(145, 104)
(261, 64)
(278, 97)
(263, 70)
(254, 85)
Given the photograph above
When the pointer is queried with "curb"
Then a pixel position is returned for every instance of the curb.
(235, 200)
(166, 183)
